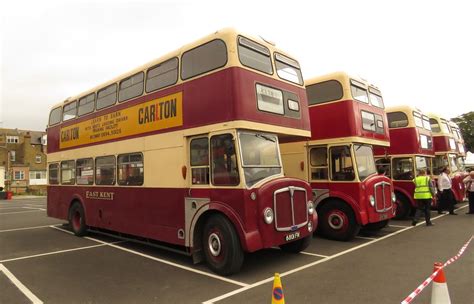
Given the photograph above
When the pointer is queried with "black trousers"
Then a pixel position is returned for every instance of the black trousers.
(470, 196)
(446, 201)
(423, 206)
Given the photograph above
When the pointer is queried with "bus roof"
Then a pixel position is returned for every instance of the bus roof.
(227, 34)
(342, 77)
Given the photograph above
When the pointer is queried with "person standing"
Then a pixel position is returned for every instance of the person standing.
(423, 195)
(469, 182)
(447, 196)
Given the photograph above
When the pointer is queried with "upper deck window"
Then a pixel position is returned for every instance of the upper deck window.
(107, 96)
(55, 116)
(70, 111)
(375, 98)
(435, 125)
(397, 120)
(368, 121)
(445, 127)
(426, 122)
(322, 92)
(418, 119)
(288, 69)
(426, 142)
(204, 58)
(358, 91)
(86, 104)
(162, 75)
(131, 87)
(255, 56)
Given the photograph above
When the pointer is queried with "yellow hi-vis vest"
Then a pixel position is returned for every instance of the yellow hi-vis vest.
(422, 187)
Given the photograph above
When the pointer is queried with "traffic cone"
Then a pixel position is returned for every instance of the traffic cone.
(277, 293)
(439, 291)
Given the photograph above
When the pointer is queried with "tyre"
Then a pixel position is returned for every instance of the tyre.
(77, 219)
(402, 207)
(221, 246)
(337, 221)
(296, 246)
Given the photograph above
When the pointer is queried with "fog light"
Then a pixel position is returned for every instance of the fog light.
(310, 207)
(394, 197)
(310, 226)
(268, 215)
(372, 201)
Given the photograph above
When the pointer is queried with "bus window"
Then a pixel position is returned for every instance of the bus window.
(67, 172)
(224, 161)
(130, 169)
(55, 116)
(452, 144)
(379, 124)
(397, 120)
(319, 163)
(445, 127)
(85, 171)
(341, 164)
(105, 170)
(426, 122)
(131, 87)
(375, 98)
(269, 99)
(260, 156)
(288, 69)
(199, 151)
(434, 125)
(70, 111)
(439, 162)
(422, 163)
(426, 142)
(359, 92)
(368, 121)
(322, 92)
(86, 104)
(364, 157)
(418, 119)
(204, 58)
(107, 96)
(255, 56)
(53, 170)
(402, 168)
(162, 75)
(383, 166)
(453, 163)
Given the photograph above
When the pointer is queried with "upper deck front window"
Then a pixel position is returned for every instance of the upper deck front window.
(288, 69)
(365, 161)
(255, 56)
(444, 126)
(426, 123)
(418, 119)
(435, 125)
(397, 120)
(325, 91)
(70, 111)
(375, 98)
(358, 91)
(55, 116)
(260, 156)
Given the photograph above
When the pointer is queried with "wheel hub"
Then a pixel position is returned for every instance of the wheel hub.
(214, 244)
(336, 221)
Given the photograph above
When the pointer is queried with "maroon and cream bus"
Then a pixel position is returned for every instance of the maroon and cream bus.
(449, 152)
(347, 119)
(184, 151)
(411, 149)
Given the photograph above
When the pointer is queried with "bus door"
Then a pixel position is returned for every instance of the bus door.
(318, 173)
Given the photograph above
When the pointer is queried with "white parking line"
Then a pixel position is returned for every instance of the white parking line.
(25, 228)
(314, 254)
(22, 212)
(20, 286)
(162, 261)
(35, 208)
(397, 226)
(365, 238)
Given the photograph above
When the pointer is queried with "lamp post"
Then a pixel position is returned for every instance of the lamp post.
(7, 170)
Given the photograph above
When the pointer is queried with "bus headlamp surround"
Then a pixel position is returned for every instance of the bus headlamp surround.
(310, 207)
(394, 197)
(372, 201)
(268, 215)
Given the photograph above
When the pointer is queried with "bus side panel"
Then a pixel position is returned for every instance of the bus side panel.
(56, 207)
(407, 188)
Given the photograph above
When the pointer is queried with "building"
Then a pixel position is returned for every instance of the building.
(23, 158)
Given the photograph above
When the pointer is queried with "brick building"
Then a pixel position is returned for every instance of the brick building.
(23, 159)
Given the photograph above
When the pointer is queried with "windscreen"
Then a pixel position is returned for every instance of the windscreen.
(365, 161)
(453, 163)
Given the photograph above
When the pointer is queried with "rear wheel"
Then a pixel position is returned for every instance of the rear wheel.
(337, 221)
(77, 219)
(221, 246)
(296, 246)
(402, 207)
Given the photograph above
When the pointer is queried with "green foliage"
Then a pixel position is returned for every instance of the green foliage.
(466, 124)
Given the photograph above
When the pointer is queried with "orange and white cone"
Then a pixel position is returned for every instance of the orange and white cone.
(439, 291)
(277, 292)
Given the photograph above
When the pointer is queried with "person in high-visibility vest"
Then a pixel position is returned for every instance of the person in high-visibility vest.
(423, 196)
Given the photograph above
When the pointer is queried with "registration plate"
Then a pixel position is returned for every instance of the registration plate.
(292, 236)
(383, 217)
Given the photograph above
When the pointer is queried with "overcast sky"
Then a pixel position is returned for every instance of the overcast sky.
(417, 52)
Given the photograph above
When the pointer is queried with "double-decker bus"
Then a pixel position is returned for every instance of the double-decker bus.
(449, 152)
(184, 151)
(411, 149)
(347, 119)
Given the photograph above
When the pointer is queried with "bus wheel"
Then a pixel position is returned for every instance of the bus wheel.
(221, 246)
(296, 246)
(77, 219)
(338, 221)
(402, 207)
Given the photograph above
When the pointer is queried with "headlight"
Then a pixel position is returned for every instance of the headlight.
(394, 197)
(310, 207)
(268, 215)
(372, 201)
(310, 226)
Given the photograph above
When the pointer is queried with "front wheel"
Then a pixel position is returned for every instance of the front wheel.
(77, 219)
(296, 246)
(337, 221)
(402, 207)
(221, 246)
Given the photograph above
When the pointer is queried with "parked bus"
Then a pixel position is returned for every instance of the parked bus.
(411, 149)
(449, 152)
(347, 119)
(184, 150)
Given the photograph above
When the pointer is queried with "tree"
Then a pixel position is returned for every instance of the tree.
(466, 124)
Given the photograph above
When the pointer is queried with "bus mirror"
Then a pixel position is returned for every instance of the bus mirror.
(183, 171)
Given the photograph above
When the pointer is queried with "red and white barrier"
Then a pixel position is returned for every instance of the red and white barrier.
(422, 286)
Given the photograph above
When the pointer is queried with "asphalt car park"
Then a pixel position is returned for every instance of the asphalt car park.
(41, 261)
